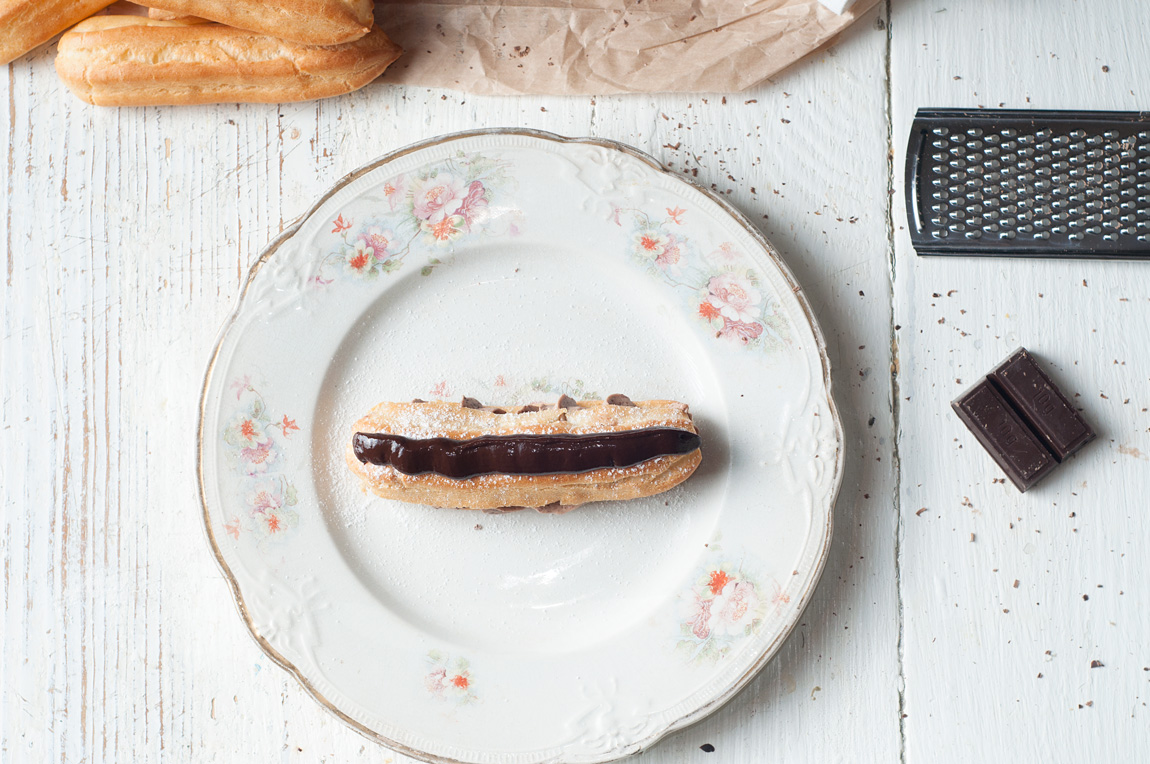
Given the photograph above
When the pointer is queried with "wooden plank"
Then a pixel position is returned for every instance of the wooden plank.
(1009, 598)
(128, 233)
(805, 158)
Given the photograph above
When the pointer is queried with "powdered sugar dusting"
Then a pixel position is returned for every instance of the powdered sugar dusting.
(452, 420)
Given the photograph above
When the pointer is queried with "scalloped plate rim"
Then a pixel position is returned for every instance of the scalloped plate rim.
(290, 231)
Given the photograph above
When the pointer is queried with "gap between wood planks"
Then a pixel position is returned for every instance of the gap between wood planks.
(894, 390)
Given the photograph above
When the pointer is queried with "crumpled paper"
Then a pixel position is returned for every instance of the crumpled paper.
(591, 47)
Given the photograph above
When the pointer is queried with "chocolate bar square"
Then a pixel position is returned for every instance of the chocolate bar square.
(1001, 431)
(1022, 419)
(1042, 404)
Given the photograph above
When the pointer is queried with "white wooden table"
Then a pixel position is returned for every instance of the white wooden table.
(957, 620)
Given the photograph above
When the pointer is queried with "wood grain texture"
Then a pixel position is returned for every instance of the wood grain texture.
(127, 234)
(1009, 598)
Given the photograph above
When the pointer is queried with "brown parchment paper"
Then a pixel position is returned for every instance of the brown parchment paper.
(603, 46)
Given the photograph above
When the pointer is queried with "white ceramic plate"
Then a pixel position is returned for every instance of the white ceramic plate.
(513, 266)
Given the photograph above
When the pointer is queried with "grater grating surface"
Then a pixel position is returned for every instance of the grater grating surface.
(1030, 183)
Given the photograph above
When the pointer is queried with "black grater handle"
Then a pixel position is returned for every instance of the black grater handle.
(1029, 183)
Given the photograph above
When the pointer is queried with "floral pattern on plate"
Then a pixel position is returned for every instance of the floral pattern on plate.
(422, 213)
(719, 283)
(449, 679)
(254, 444)
(724, 604)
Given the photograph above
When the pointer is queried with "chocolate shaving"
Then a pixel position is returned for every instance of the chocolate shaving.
(418, 400)
(567, 402)
(498, 411)
(618, 399)
(470, 403)
(530, 407)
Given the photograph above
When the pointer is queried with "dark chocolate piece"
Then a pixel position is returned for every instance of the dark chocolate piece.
(470, 403)
(1001, 431)
(1043, 406)
(526, 454)
(618, 399)
(530, 407)
(567, 402)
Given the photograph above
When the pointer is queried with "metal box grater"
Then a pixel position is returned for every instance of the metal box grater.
(1004, 183)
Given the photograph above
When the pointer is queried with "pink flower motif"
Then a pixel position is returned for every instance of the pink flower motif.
(779, 597)
(670, 256)
(725, 254)
(676, 215)
(240, 385)
(270, 504)
(265, 497)
(744, 332)
(435, 680)
(341, 225)
(436, 198)
(449, 679)
(440, 390)
(735, 297)
(258, 457)
(378, 241)
(393, 190)
(474, 204)
(699, 617)
(733, 609)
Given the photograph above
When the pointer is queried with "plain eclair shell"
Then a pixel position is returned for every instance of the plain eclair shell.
(27, 24)
(136, 61)
(314, 22)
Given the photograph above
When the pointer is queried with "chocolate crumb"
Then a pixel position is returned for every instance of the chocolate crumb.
(567, 402)
(470, 403)
(1096, 664)
(478, 527)
(1039, 674)
(1016, 583)
(618, 399)
(418, 400)
(707, 748)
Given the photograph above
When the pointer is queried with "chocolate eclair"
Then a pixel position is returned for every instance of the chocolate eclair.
(544, 455)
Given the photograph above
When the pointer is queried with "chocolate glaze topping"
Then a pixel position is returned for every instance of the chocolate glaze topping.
(525, 454)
